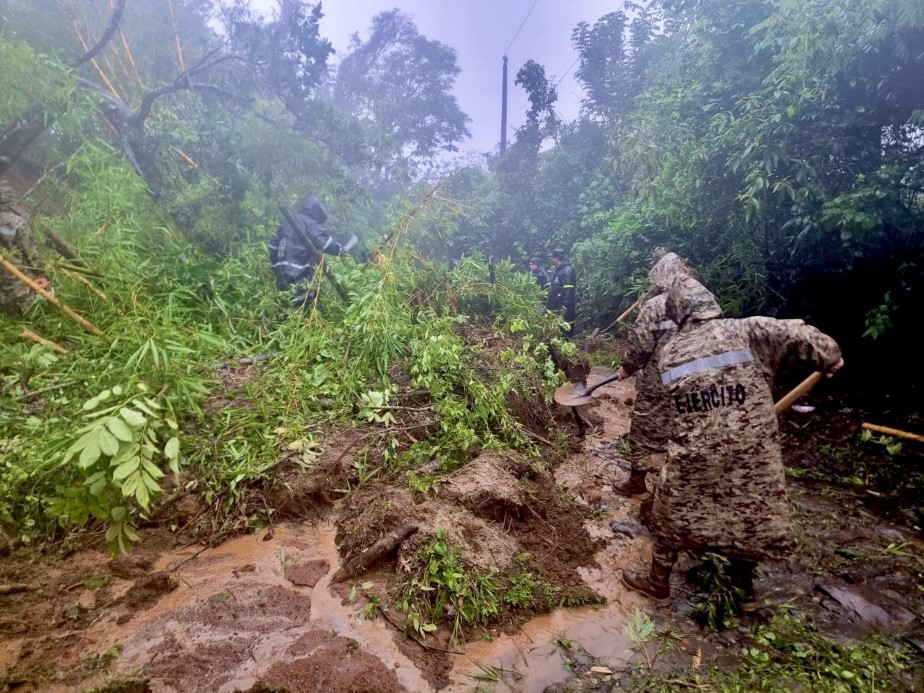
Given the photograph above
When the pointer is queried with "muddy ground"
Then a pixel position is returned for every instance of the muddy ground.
(259, 612)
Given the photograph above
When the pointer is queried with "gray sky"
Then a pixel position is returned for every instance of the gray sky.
(480, 30)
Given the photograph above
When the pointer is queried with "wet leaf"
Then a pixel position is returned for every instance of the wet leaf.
(172, 448)
(128, 467)
(118, 428)
(108, 444)
(90, 454)
(132, 417)
(96, 583)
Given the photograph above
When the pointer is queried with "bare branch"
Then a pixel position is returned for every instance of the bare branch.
(182, 81)
(111, 28)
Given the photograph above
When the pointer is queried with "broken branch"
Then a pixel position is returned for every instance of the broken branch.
(379, 549)
(32, 337)
(885, 430)
(12, 269)
(16, 588)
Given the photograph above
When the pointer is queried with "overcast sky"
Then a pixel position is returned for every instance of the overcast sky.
(480, 30)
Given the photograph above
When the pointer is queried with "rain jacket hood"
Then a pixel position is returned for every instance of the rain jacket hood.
(313, 208)
(688, 300)
(665, 270)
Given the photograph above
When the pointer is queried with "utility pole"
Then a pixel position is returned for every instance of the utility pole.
(503, 147)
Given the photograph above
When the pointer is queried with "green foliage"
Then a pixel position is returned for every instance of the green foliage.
(173, 319)
(790, 651)
(396, 60)
(114, 462)
(444, 589)
(720, 606)
(527, 591)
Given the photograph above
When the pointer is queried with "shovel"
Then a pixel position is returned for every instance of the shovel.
(578, 394)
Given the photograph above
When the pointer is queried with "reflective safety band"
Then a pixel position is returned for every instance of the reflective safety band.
(298, 267)
(568, 286)
(729, 358)
(666, 325)
(327, 243)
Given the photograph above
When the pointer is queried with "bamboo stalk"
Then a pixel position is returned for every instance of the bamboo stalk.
(78, 269)
(185, 157)
(32, 337)
(176, 36)
(99, 70)
(128, 52)
(85, 324)
(59, 244)
(885, 430)
(87, 283)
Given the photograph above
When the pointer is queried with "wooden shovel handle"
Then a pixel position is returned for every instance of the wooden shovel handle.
(798, 391)
(622, 317)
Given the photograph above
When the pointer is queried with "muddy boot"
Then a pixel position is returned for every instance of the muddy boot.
(633, 488)
(655, 585)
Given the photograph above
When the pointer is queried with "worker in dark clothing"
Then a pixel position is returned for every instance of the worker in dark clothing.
(293, 259)
(539, 274)
(561, 290)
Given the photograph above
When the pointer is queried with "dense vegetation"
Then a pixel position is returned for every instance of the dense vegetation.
(776, 143)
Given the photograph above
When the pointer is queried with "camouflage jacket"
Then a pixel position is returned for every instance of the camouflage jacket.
(19, 247)
(649, 334)
(723, 487)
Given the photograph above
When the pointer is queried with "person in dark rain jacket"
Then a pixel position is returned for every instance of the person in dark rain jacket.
(292, 259)
(562, 297)
(539, 274)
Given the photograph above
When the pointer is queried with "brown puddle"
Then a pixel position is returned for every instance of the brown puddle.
(228, 617)
(233, 616)
(233, 605)
(534, 653)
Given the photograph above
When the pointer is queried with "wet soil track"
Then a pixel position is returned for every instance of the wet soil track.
(257, 614)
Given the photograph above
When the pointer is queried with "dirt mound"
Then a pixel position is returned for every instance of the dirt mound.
(488, 510)
(204, 668)
(149, 590)
(265, 611)
(307, 574)
(323, 661)
(373, 512)
(487, 488)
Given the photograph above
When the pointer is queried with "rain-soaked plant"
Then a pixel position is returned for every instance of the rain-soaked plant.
(445, 589)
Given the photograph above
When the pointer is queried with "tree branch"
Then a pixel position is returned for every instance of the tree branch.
(111, 28)
(182, 81)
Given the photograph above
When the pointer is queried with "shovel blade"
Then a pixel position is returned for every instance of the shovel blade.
(573, 395)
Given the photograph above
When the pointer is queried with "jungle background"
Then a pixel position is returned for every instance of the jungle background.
(777, 144)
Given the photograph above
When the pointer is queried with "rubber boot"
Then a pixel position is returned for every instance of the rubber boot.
(655, 585)
(635, 487)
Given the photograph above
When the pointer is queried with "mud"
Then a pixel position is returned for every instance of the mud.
(260, 614)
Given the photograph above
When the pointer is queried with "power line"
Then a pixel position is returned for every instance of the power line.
(521, 26)
(566, 72)
(621, 9)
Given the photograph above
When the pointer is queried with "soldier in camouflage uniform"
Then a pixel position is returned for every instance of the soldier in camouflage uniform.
(723, 487)
(18, 246)
(650, 415)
